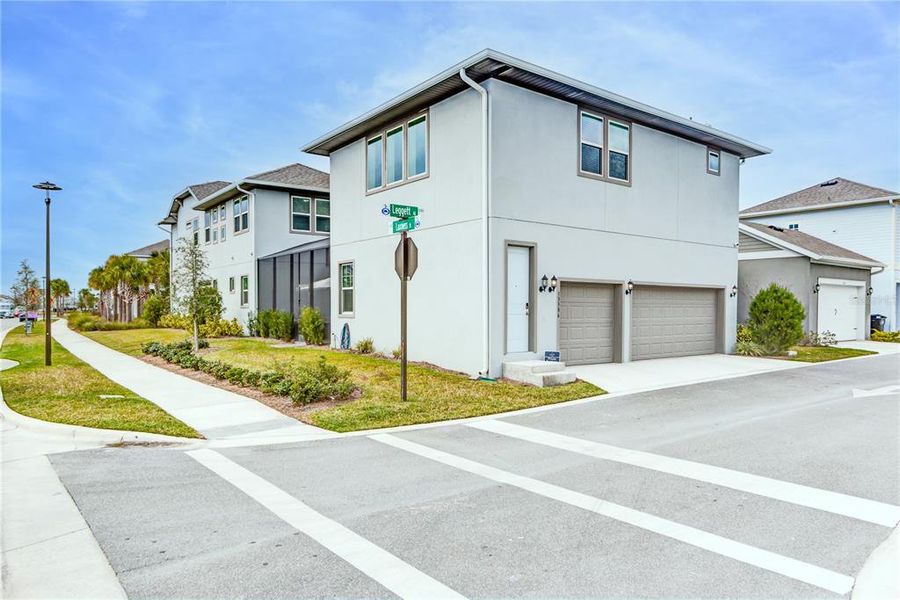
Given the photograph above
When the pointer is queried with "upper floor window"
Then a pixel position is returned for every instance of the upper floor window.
(605, 147)
(222, 222)
(794, 226)
(713, 159)
(323, 215)
(240, 212)
(308, 211)
(207, 235)
(301, 209)
(196, 228)
(397, 154)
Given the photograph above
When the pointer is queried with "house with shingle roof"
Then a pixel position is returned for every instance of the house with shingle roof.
(242, 224)
(860, 218)
(831, 282)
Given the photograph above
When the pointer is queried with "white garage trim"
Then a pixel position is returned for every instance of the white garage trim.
(822, 308)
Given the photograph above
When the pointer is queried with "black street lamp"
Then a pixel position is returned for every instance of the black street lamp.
(47, 187)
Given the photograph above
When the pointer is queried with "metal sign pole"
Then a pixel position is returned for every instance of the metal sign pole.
(403, 280)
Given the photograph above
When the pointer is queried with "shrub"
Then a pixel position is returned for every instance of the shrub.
(209, 304)
(278, 324)
(88, 322)
(748, 348)
(365, 346)
(155, 306)
(319, 381)
(173, 321)
(312, 326)
(886, 336)
(252, 324)
(814, 338)
(221, 328)
(743, 333)
(396, 353)
(776, 319)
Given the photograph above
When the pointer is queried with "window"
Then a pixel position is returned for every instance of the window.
(712, 162)
(346, 297)
(417, 153)
(301, 209)
(397, 154)
(794, 226)
(231, 285)
(215, 284)
(619, 150)
(239, 209)
(245, 290)
(206, 230)
(323, 215)
(591, 144)
(196, 230)
(374, 166)
(222, 222)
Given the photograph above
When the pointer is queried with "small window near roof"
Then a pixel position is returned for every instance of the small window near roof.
(374, 163)
(712, 162)
(323, 215)
(794, 226)
(417, 151)
(393, 165)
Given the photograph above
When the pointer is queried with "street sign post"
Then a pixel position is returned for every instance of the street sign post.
(406, 261)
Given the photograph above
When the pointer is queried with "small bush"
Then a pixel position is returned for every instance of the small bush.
(776, 319)
(88, 322)
(320, 381)
(748, 348)
(171, 321)
(743, 333)
(155, 306)
(396, 353)
(312, 326)
(278, 324)
(815, 338)
(221, 328)
(365, 346)
(886, 336)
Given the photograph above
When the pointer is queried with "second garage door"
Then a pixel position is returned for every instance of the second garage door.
(672, 321)
(586, 323)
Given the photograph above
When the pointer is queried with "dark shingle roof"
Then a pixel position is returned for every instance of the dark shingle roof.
(827, 192)
(807, 242)
(202, 190)
(294, 174)
(146, 251)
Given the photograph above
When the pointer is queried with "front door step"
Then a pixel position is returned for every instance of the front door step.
(541, 373)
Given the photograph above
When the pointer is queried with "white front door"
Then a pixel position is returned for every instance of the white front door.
(839, 310)
(518, 275)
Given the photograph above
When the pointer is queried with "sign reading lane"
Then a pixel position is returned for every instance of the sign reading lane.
(404, 225)
(402, 211)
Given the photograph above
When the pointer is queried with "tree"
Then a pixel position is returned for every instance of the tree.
(776, 319)
(25, 280)
(99, 279)
(59, 290)
(190, 274)
(158, 270)
(86, 299)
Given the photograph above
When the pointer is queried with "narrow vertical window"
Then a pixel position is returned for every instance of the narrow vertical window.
(619, 150)
(346, 297)
(239, 209)
(393, 164)
(231, 284)
(245, 290)
(323, 215)
(236, 212)
(591, 144)
(222, 222)
(300, 213)
(196, 230)
(206, 229)
(374, 163)
(417, 147)
(712, 162)
(245, 212)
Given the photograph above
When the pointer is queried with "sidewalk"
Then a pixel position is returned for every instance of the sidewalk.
(214, 412)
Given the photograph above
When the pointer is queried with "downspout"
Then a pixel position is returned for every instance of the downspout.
(485, 219)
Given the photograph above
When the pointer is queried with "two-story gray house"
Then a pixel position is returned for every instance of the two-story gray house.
(555, 216)
(265, 238)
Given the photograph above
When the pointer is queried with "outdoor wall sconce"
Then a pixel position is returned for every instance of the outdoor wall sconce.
(733, 291)
(869, 291)
(554, 282)
(816, 289)
(543, 286)
(629, 287)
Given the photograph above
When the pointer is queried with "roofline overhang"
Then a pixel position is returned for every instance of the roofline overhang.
(797, 209)
(224, 193)
(813, 256)
(327, 143)
(847, 262)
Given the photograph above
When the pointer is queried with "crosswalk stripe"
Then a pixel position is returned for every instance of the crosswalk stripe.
(396, 575)
(834, 502)
(770, 561)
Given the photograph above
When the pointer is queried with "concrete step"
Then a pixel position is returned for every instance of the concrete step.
(538, 372)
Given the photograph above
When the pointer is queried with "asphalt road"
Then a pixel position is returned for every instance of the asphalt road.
(541, 505)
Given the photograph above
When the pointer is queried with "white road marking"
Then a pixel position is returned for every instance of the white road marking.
(888, 390)
(863, 509)
(379, 564)
(770, 561)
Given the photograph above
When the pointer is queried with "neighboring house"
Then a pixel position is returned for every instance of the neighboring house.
(856, 216)
(831, 282)
(241, 226)
(522, 173)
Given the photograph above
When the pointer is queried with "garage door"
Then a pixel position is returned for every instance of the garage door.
(841, 309)
(672, 321)
(586, 323)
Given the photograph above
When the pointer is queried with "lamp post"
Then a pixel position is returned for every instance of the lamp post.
(47, 187)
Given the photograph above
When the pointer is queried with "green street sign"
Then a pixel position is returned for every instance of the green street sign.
(402, 211)
(404, 225)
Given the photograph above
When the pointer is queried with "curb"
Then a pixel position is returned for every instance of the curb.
(878, 579)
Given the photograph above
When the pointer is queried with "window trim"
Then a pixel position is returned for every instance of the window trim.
(245, 279)
(341, 288)
(309, 199)
(240, 214)
(382, 133)
(709, 151)
(231, 284)
(601, 147)
(604, 154)
(315, 215)
(402, 129)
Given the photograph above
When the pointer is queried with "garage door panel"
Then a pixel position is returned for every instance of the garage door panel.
(672, 321)
(586, 323)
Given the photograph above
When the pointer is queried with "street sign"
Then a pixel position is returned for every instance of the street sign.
(405, 266)
(403, 225)
(401, 211)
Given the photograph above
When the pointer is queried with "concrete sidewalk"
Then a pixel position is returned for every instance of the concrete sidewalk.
(214, 412)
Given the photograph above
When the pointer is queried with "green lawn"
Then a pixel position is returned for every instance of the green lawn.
(69, 391)
(433, 394)
(816, 354)
(129, 341)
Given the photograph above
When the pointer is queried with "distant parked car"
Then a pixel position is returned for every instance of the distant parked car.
(18, 311)
(6, 310)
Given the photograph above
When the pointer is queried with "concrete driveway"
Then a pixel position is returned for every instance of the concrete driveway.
(777, 485)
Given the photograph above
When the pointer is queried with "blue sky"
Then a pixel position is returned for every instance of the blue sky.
(124, 104)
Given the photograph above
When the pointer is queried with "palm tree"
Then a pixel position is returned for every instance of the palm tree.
(134, 283)
(59, 289)
(99, 279)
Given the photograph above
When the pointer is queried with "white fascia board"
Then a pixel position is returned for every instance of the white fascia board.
(766, 255)
(204, 203)
(289, 186)
(771, 239)
(848, 262)
(799, 209)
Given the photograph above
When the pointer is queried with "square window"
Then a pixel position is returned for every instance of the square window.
(590, 159)
(323, 215)
(300, 213)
